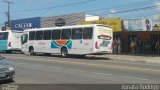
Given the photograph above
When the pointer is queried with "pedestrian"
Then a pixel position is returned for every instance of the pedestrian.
(114, 45)
(148, 25)
(153, 46)
(138, 46)
(133, 46)
(119, 45)
(158, 46)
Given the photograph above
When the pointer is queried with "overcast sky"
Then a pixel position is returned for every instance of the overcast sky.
(41, 8)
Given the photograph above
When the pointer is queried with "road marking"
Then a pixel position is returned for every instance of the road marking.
(37, 65)
(101, 73)
(76, 70)
(54, 68)
(133, 78)
(22, 63)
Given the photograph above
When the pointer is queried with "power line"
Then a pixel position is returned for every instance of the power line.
(131, 10)
(120, 6)
(136, 9)
(65, 5)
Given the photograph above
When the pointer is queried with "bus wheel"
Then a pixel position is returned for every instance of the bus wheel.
(64, 52)
(31, 50)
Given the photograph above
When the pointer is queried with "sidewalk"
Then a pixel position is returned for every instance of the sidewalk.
(136, 58)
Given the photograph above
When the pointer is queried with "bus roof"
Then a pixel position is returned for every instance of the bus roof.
(74, 26)
(12, 31)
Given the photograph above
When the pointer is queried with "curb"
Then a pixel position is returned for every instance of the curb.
(144, 59)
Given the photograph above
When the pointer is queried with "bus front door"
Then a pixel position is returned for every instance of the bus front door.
(24, 41)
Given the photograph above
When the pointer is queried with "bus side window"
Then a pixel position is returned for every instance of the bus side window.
(66, 34)
(4, 36)
(77, 33)
(56, 34)
(39, 35)
(87, 33)
(32, 35)
(1, 36)
(47, 35)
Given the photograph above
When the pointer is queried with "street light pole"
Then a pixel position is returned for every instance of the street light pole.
(8, 12)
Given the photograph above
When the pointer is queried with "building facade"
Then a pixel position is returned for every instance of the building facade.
(51, 21)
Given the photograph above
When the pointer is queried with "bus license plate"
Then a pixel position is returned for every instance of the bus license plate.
(2, 75)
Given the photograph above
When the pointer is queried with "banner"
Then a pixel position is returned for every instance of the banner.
(114, 22)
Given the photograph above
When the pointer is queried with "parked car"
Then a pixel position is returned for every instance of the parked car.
(7, 70)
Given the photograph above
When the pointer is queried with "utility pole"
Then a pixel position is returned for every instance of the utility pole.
(8, 12)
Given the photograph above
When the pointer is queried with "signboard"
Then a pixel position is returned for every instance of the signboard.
(60, 22)
(23, 24)
(156, 22)
(137, 25)
(133, 25)
(114, 22)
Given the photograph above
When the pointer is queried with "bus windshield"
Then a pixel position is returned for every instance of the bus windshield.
(104, 37)
(3, 35)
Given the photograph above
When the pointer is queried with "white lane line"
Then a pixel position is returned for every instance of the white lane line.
(134, 78)
(37, 65)
(101, 73)
(127, 77)
(76, 70)
(22, 63)
(54, 68)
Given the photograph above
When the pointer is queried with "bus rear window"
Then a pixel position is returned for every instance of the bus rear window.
(4, 36)
(87, 33)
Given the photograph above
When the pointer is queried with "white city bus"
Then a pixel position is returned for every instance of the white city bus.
(78, 40)
(10, 41)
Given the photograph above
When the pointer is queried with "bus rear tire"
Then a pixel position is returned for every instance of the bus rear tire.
(64, 52)
(31, 51)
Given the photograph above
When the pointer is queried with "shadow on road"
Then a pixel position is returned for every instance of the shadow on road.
(14, 52)
(7, 82)
(88, 57)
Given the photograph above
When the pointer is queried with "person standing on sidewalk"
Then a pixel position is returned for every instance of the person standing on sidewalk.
(114, 45)
(119, 45)
(133, 46)
(158, 46)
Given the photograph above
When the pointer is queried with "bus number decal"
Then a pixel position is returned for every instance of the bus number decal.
(105, 43)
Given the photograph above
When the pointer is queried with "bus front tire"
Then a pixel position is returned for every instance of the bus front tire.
(31, 51)
(64, 52)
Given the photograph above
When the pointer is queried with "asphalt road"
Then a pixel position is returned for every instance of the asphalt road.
(90, 70)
